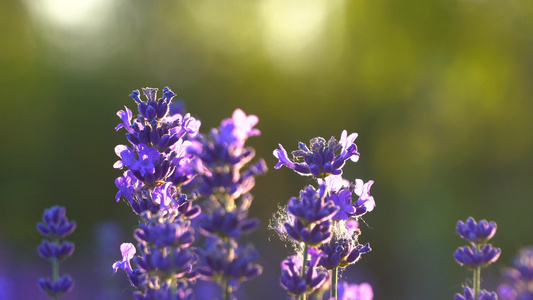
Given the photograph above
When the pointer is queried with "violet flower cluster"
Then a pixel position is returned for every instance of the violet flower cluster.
(191, 193)
(479, 254)
(54, 227)
(518, 278)
(321, 221)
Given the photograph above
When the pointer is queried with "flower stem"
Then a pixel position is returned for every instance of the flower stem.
(334, 277)
(477, 282)
(55, 268)
(227, 290)
(304, 264)
(477, 278)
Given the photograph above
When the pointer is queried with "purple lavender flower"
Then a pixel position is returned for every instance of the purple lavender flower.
(519, 278)
(167, 264)
(343, 200)
(157, 153)
(365, 203)
(228, 261)
(165, 234)
(468, 294)
(166, 159)
(321, 160)
(55, 226)
(362, 291)
(294, 282)
(127, 185)
(231, 224)
(476, 256)
(128, 252)
(313, 235)
(472, 257)
(235, 131)
(311, 216)
(342, 252)
(148, 158)
(221, 156)
(56, 288)
(53, 251)
(476, 233)
(311, 207)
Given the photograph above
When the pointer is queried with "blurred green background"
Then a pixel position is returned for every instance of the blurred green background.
(439, 91)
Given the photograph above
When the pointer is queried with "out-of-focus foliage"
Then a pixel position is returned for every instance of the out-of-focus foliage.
(439, 91)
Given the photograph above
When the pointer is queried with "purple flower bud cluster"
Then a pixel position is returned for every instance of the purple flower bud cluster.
(320, 222)
(476, 233)
(479, 254)
(476, 257)
(321, 160)
(468, 294)
(518, 278)
(297, 283)
(178, 180)
(55, 226)
(156, 163)
(230, 262)
(312, 217)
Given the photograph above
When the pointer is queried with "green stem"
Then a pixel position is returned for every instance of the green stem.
(304, 264)
(334, 277)
(477, 278)
(55, 268)
(477, 282)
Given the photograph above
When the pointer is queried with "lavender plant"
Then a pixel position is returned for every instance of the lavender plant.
(518, 278)
(176, 181)
(54, 227)
(156, 166)
(479, 254)
(320, 223)
(224, 179)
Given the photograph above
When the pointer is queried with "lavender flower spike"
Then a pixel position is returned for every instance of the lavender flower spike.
(55, 226)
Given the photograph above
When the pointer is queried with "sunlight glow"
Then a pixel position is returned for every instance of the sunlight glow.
(72, 15)
(294, 30)
(80, 33)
